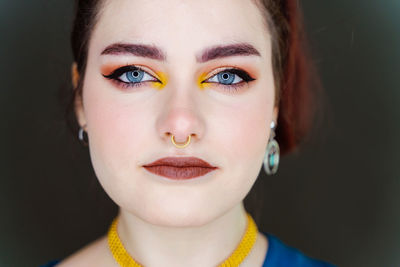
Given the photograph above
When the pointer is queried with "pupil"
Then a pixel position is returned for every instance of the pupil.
(225, 76)
(135, 74)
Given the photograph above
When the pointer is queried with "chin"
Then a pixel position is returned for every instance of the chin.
(177, 215)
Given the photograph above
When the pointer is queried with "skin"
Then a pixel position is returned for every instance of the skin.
(198, 222)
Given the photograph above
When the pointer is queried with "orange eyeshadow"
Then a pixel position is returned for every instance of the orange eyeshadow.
(108, 69)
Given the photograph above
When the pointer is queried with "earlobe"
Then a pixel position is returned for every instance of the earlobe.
(275, 114)
(78, 101)
(74, 75)
(79, 110)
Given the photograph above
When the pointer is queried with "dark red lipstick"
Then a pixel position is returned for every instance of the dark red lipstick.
(179, 168)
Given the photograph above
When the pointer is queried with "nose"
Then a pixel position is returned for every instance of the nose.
(180, 118)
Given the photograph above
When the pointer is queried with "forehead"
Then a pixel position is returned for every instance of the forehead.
(181, 25)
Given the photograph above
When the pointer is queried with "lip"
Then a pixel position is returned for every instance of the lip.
(180, 168)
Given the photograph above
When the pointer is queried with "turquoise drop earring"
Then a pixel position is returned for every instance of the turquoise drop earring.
(271, 157)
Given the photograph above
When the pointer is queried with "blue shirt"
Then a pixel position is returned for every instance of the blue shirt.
(278, 255)
(281, 255)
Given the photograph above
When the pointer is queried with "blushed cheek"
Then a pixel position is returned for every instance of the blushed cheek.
(247, 139)
(114, 129)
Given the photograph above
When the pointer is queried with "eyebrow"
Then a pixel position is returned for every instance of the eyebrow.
(221, 51)
(141, 50)
(153, 52)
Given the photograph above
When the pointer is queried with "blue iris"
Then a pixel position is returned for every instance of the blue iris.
(226, 77)
(135, 76)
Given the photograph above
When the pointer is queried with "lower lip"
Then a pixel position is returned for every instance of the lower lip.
(179, 173)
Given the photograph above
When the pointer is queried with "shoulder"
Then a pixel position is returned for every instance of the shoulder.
(50, 264)
(281, 255)
(95, 253)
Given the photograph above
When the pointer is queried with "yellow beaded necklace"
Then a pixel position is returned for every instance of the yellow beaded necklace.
(235, 259)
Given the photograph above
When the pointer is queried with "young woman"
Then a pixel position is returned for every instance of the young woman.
(181, 102)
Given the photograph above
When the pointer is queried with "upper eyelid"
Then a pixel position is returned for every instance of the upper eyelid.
(219, 69)
(140, 67)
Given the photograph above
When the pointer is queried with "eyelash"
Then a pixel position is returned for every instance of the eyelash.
(246, 78)
(116, 74)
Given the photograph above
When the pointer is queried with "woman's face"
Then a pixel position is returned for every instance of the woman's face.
(178, 91)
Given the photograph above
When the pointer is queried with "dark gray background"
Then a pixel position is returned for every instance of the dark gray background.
(337, 199)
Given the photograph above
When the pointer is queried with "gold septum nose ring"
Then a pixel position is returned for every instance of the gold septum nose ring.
(180, 145)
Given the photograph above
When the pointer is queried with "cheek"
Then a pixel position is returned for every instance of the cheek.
(251, 129)
(116, 131)
(244, 131)
(242, 135)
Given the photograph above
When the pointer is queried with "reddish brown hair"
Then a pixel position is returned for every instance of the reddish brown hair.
(291, 64)
(293, 72)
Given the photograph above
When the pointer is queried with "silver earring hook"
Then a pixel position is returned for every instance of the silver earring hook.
(81, 135)
(273, 127)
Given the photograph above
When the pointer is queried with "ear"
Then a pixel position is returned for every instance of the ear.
(78, 102)
(74, 75)
(275, 114)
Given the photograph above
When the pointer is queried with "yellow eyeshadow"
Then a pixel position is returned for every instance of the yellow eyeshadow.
(200, 83)
(163, 78)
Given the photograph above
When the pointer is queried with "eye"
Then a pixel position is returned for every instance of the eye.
(131, 76)
(230, 77)
(225, 77)
(135, 76)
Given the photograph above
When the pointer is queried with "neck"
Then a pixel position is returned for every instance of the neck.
(205, 245)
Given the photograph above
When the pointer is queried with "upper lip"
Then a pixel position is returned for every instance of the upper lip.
(180, 162)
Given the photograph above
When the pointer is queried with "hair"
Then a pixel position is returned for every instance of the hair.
(292, 68)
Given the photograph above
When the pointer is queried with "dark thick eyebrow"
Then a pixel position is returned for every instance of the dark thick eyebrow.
(153, 52)
(241, 49)
(140, 50)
